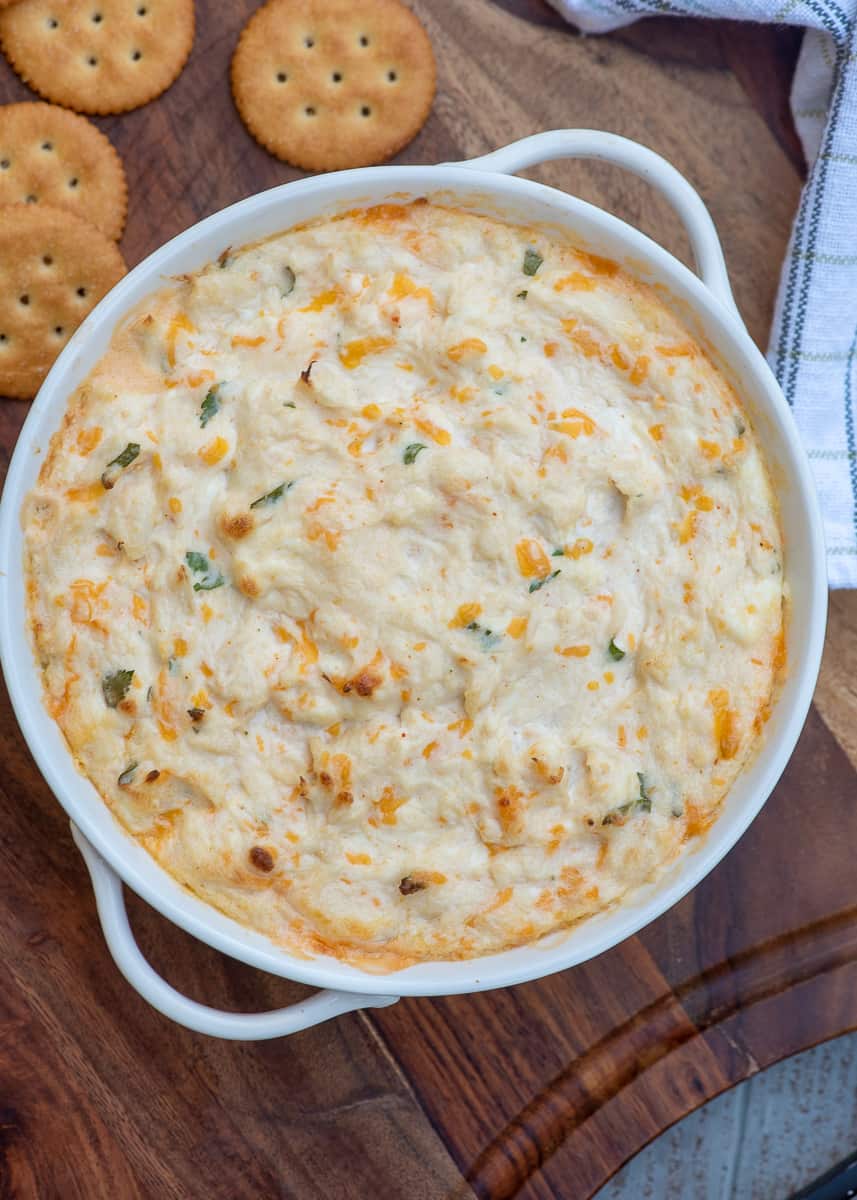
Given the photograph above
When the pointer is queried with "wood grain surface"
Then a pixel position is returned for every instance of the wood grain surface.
(544, 1090)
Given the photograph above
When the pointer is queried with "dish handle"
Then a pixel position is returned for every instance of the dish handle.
(199, 1017)
(621, 151)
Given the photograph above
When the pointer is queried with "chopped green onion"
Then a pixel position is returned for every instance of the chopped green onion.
(273, 496)
(411, 452)
(210, 405)
(120, 462)
(200, 565)
(540, 583)
(532, 261)
(196, 562)
(127, 775)
(558, 553)
(642, 803)
(615, 653)
(115, 686)
(522, 295)
(644, 800)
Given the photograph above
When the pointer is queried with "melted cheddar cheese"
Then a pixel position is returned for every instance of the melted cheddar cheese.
(408, 584)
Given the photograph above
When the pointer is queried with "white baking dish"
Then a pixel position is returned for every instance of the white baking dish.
(706, 304)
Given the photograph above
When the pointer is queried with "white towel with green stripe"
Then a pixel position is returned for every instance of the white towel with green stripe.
(813, 345)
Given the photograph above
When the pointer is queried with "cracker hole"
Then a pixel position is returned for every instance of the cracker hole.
(365, 111)
(363, 40)
(5, 164)
(25, 299)
(142, 10)
(73, 182)
(59, 330)
(47, 145)
(92, 61)
(3, 338)
(309, 111)
(97, 18)
(309, 42)
(136, 55)
(337, 77)
(392, 76)
(81, 291)
(31, 199)
(281, 77)
(52, 23)
(47, 260)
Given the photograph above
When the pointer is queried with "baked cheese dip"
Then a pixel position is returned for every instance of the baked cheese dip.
(409, 584)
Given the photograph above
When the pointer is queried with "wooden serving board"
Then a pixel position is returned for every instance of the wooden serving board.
(543, 1090)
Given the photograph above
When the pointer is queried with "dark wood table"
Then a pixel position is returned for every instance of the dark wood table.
(543, 1090)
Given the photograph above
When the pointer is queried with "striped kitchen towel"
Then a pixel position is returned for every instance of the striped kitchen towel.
(813, 345)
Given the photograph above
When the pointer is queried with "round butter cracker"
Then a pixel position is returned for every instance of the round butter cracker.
(329, 84)
(98, 56)
(54, 268)
(49, 155)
